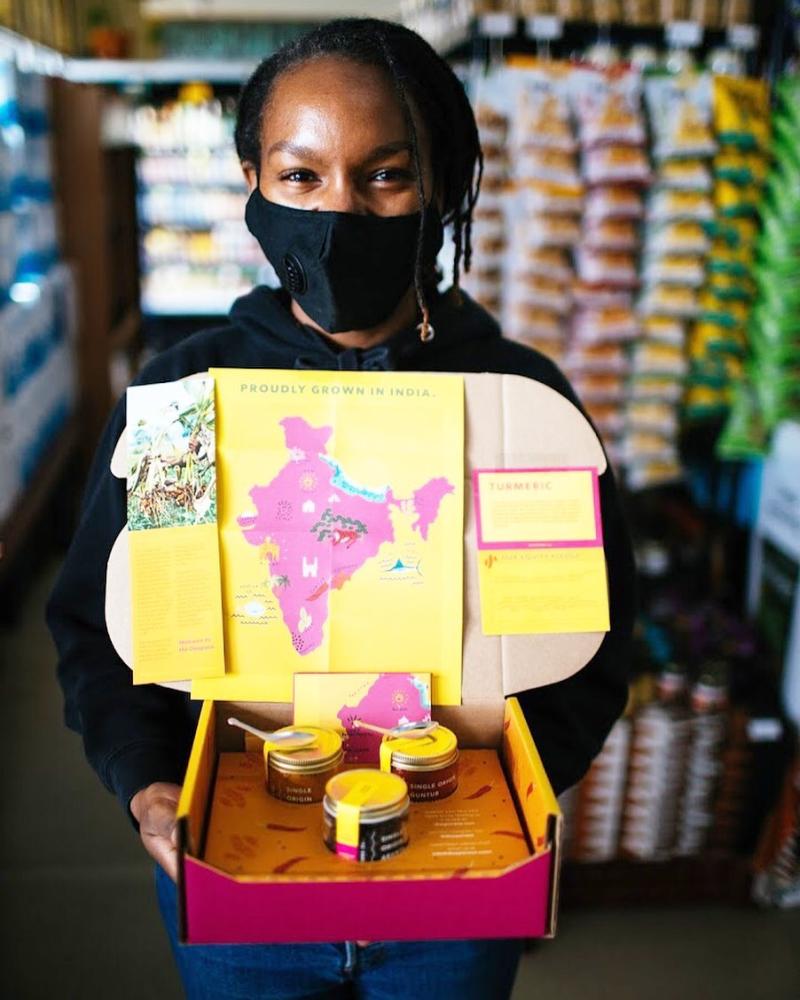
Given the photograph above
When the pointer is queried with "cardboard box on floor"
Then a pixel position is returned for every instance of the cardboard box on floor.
(511, 422)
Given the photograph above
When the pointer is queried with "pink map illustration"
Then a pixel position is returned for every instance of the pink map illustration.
(390, 701)
(316, 527)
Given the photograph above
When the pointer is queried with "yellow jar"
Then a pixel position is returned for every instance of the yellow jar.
(300, 775)
(365, 815)
(428, 764)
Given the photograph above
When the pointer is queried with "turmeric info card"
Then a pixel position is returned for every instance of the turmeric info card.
(340, 701)
(540, 551)
(340, 527)
(172, 529)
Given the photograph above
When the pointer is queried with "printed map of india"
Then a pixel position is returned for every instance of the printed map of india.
(316, 527)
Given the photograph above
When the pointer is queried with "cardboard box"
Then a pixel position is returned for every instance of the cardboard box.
(510, 423)
(363, 902)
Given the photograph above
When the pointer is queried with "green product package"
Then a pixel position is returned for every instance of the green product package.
(744, 435)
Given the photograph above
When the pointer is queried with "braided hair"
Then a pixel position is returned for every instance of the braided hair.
(419, 75)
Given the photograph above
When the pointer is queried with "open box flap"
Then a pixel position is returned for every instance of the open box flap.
(511, 422)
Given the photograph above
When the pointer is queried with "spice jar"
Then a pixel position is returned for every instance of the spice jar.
(365, 815)
(300, 775)
(427, 764)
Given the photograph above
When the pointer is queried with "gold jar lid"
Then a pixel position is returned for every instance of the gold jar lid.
(379, 795)
(326, 751)
(438, 749)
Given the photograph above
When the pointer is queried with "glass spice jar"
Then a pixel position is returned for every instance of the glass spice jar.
(427, 764)
(365, 815)
(300, 775)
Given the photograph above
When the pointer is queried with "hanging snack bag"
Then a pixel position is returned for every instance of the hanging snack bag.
(610, 234)
(591, 326)
(664, 330)
(741, 112)
(674, 270)
(608, 105)
(680, 115)
(685, 175)
(668, 300)
(675, 206)
(547, 262)
(606, 268)
(613, 203)
(542, 117)
(673, 238)
(616, 165)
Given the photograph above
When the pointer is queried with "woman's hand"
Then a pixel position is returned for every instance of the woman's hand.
(154, 809)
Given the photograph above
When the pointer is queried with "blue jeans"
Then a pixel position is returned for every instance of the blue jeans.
(389, 970)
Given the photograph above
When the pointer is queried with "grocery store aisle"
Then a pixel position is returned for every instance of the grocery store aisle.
(79, 918)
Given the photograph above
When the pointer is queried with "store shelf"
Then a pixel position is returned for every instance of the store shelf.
(130, 71)
(257, 10)
(720, 878)
(34, 500)
(31, 56)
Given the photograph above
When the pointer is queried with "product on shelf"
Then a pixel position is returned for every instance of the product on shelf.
(768, 335)
(37, 307)
(197, 255)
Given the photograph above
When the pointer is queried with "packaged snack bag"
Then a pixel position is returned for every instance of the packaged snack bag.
(591, 326)
(680, 115)
(615, 165)
(658, 359)
(613, 203)
(672, 238)
(599, 388)
(664, 330)
(655, 388)
(741, 167)
(668, 300)
(608, 105)
(610, 234)
(741, 112)
(597, 358)
(654, 416)
(600, 296)
(673, 206)
(685, 175)
(734, 200)
(641, 476)
(545, 293)
(547, 262)
(538, 231)
(674, 270)
(555, 199)
(606, 268)
(542, 117)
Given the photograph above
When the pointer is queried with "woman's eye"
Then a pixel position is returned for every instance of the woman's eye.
(393, 174)
(298, 176)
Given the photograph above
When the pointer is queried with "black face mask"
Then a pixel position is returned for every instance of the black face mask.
(347, 271)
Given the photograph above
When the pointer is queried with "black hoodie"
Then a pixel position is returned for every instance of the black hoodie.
(134, 736)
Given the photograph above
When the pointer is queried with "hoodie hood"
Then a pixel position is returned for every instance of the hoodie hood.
(265, 312)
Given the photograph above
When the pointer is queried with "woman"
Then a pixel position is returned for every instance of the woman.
(357, 143)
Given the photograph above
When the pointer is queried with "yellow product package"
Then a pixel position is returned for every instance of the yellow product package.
(741, 167)
(741, 112)
(735, 200)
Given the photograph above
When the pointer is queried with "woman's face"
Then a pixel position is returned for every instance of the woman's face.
(334, 138)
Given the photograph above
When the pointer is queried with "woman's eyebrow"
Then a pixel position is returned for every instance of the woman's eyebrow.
(306, 153)
(388, 149)
(286, 146)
